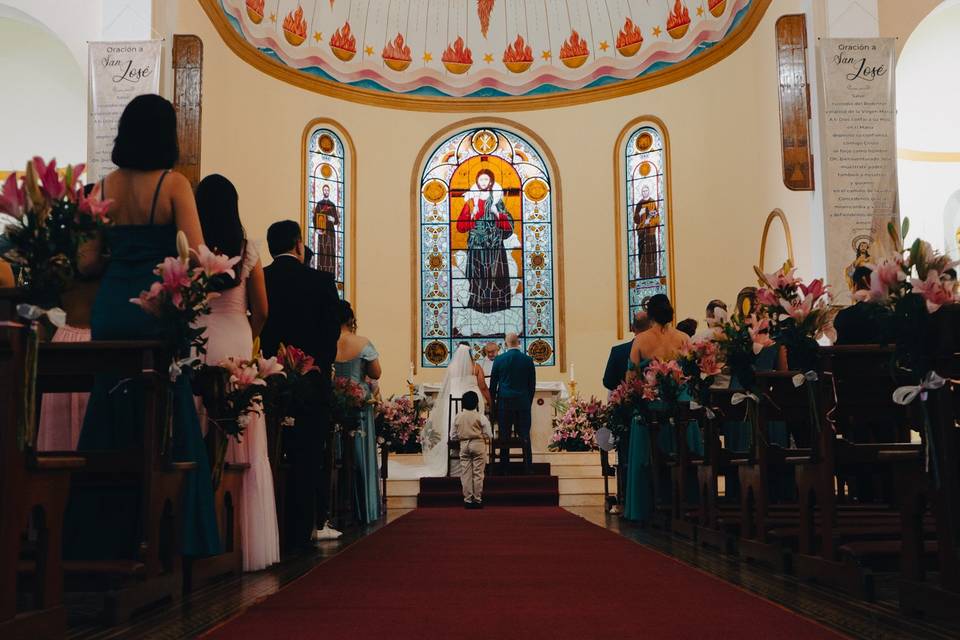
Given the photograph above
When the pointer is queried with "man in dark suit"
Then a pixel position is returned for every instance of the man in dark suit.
(616, 371)
(513, 383)
(303, 312)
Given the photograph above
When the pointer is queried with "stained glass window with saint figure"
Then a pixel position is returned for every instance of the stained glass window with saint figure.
(326, 202)
(646, 216)
(486, 246)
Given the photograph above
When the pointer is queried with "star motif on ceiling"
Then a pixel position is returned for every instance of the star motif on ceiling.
(368, 50)
(488, 58)
(273, 17)
(546, 55)
(699, 11)
(604, 45)
(317, 36)
(657, 31)
(427, 56)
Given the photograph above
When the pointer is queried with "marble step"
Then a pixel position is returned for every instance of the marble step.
(571, 500)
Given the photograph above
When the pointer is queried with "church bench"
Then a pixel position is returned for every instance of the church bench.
(154, 571)
(33, 493)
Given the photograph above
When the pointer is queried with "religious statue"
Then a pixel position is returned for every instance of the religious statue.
(646, 221)
(487, 223)
(862, 258)
(325, 221)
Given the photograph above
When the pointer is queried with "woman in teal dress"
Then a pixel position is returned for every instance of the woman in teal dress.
(358, 360)
(150, 205)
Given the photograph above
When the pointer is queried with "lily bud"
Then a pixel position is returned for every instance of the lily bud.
(35, 199)
(183, 247)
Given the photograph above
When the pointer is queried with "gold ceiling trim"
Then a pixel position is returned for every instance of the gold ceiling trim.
(674, 73)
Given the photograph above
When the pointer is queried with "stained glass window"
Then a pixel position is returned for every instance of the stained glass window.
(486, 246)
(326, 206)
(646, 216)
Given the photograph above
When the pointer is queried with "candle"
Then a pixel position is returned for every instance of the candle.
(573, 376)
(411, 373)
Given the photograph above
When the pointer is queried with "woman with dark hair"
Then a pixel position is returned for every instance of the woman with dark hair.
(230, 334)
(661, 340)
(358, 360)
(151, 203)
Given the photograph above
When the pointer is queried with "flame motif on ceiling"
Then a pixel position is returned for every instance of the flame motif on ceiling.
(481, 48)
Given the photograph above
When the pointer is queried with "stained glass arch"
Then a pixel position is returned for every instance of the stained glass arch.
(327, 201)
(488, 234)
(644, 216)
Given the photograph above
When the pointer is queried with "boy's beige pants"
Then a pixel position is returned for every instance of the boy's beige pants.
(473, 458)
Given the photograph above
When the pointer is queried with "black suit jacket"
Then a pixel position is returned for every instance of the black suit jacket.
(861, 323)
(303, 311)
(616, 371)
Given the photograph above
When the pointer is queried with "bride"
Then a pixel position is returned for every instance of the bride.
(463, 375)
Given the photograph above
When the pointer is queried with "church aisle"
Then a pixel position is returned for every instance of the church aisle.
(510, 573)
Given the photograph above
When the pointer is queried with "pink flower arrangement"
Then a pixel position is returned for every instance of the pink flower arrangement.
(295, 360)
(575, 427)
(663, 381)
(934, 292)
(399, 421)
(349, 397)
(798, 313)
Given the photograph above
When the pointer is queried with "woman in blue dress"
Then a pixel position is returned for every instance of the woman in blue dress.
(358, 360)
(151, 204)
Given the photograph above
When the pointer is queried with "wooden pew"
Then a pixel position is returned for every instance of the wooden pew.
(154, 572)
(33, 487)
(685, 512)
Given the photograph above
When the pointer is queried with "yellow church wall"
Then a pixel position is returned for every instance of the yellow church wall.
(723, 128)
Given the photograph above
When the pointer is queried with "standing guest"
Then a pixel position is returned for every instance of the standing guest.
(715, 317)
(358, 360)
(490, 352)
(236, 318)
(687, 326)
(861, 323)
(660, 341)
(474, 434)
(151, 203)
(513, 384)
(616, 371)
(949, 278)
(304, 313)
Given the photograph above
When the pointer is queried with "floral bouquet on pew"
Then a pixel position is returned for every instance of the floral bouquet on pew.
(739, 341)
(182, 296)
(624, 403)
(701, 363)
(799, 314)
(399, 423)
(52, 216)
(349, 398)
(576, 424)
(663, 382)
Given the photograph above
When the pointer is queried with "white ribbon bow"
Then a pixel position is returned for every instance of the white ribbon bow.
(738, 397)
(694, 405)
(800, 378)
(57, 316)
(176, 367)
(907, 394)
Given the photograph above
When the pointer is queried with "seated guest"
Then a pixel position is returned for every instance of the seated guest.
(616, 371)
(861, 323)
(661, 341)
(687, 326)
(715, 317)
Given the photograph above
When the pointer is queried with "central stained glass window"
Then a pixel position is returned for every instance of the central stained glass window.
(486, 247)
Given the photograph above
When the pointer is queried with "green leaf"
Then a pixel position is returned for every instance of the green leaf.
(904, 228)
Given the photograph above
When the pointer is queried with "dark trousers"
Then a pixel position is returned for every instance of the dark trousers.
(513, 415)
(307, 447)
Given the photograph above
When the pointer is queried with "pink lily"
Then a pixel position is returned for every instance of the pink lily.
(50, 183)
(766, 297)
(96, 209)
(933, 291)
(245, 376)
(149, 301)
(759, 334)
(214, 264)
(269, 367)
(13, 198)
(889, 273)
(815, 289)
(798, 310)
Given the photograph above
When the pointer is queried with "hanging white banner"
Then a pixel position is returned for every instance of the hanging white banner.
(859, 155)
(119, 71)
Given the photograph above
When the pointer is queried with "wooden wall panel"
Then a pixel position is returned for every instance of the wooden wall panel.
(791, 34)
(187, 99)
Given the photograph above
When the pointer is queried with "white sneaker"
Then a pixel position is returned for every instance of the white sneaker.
(615, 510)
(327, 533)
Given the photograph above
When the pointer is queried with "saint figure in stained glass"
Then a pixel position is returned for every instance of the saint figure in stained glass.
(487, 223)
(646, 220)
(326, 219)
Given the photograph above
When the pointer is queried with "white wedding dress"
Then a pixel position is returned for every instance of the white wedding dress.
(460, 378)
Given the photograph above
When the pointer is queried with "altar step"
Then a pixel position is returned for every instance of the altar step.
(579, 480)
(505, 491)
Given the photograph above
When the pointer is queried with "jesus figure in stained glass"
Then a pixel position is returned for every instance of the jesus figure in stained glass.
(487, 223)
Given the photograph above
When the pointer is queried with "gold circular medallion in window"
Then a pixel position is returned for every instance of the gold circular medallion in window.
(325, 143)
(644, 141)
(435, 261)
(536, 189)
(326, 170)
(645, 169)
(540, 351)
(484, 141)
(436, 353)
(538, 260)
(434, 191)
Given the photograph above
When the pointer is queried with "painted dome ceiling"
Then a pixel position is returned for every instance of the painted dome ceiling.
(482, 51)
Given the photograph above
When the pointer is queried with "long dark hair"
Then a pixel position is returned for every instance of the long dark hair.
(146, 135)
(218, 206)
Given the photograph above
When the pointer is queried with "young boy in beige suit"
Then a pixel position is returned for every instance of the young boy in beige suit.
(474, 433)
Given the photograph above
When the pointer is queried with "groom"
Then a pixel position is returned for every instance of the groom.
(303, 306)
(513, 382)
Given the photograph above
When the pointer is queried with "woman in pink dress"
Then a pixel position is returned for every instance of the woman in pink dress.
(236, 318)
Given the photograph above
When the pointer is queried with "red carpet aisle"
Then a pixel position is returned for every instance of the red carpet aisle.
(510, 573)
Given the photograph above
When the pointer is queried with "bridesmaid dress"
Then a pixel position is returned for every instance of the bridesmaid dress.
(368, 486)
(102, 523)
(229, 336)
